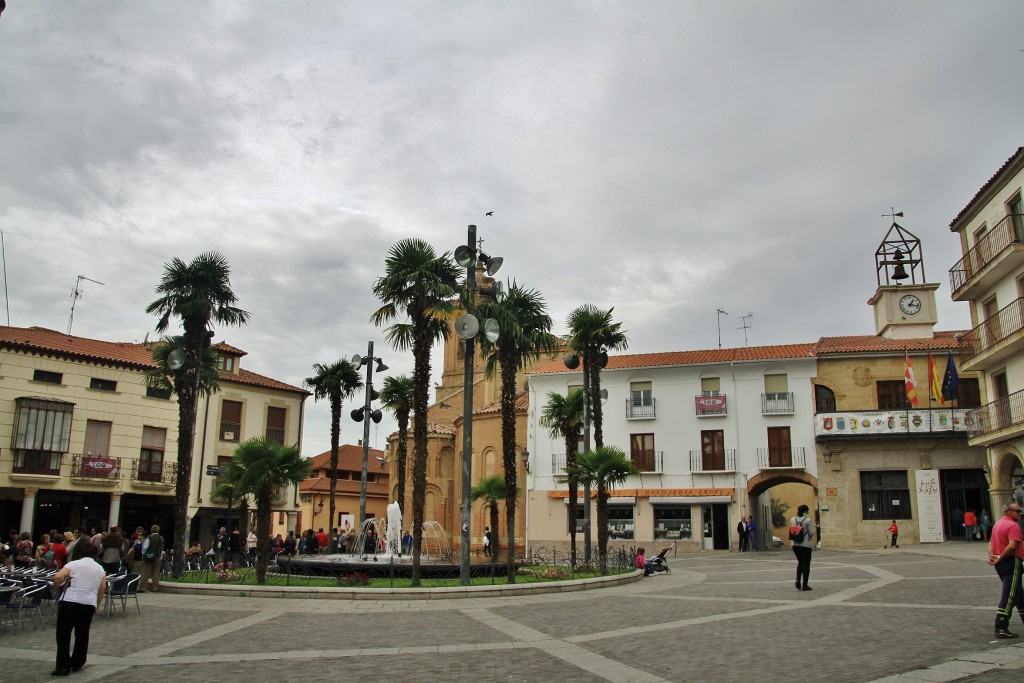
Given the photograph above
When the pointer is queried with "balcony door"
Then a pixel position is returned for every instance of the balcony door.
(780, 453)
(712, 449)
(993, 331)
(1001, 402)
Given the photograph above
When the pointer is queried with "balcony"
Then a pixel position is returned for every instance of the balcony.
(275, 434)
(881, 423)
(37, 463)
(793, 458)
(95, 469)
(558, 465)
(648, 461)
(154, 474)
(777, 403)
(722, 461)
(998, 421)
(992, 258)
(230, 431)
(995, 339)
(711, 405)
(640, 408)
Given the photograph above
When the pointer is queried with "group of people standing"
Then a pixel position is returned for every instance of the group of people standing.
(747, 530)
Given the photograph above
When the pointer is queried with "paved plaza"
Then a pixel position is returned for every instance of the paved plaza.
(718, 617)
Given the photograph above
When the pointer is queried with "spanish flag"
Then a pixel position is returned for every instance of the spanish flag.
(934, 383)
(910, 381)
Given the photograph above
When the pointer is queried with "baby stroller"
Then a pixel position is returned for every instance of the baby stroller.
(658, 563)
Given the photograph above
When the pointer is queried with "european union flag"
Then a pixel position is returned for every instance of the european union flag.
(951, 380)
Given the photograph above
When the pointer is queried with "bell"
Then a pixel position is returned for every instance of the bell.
(899, 272)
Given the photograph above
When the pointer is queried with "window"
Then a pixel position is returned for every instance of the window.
(275, 424)
(885, 495)
(48, 377)
(710, 386)
(824, 399)
(991, 329)
(230, 421)
(151, 457)
(777, 397)
(640, 394)
(225, 363)
(641, 452)
(158, 392)
(102, 384)
(620, 521)
(580, 526)
(97, 437)
(712, 450)
(672, 523)
(42, 432)
(892, 395)
(780, 453)
(776, 384)
(968, 393)
(1015, 207)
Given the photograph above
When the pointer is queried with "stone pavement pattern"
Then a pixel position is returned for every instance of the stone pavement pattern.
(872, 616)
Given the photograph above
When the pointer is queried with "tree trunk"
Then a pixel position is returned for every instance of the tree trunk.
(495, 536)
(602, 529)
(264, 503)
(571, 444)
(335, 441)
(403, 438)
(187, 401)
(509, 363)
(596, 417)
(421, 385)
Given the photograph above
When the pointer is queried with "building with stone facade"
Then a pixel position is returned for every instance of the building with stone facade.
(83, 442)
(990, 279)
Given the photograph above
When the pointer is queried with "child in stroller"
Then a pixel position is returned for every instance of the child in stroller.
(655, 564)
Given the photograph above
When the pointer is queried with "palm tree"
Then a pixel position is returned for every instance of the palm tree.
(603, 468)
(492, 490)
(335, 382)
(525, 334)
(260, 467)
(196, 293)
(591, 333)
(563, 416)
(396, 396)
(418, 285)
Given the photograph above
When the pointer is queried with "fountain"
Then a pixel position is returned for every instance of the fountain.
(367, 555)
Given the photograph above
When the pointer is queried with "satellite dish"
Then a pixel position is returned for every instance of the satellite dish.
(357, 360)
(491, 330)
(176, 359)
(572, 361)
(465, 256)
(467, 326)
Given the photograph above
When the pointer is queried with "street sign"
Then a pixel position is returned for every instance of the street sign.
(213, 470)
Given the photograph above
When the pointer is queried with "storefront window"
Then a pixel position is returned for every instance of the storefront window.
(672, 523)
(620, 521)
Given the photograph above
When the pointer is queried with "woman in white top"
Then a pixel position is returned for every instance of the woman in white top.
(86, 584)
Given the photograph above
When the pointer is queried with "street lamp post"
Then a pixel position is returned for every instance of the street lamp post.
(365, 412)
(467, 327)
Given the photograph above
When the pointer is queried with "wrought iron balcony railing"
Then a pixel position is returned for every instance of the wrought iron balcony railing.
(783, 458)
(711, 404)
(161, 474)
(721, 461)
(1006, 232)
(275, 434)
(648, 460)
(95, 468)
(640, 408)
(1007, 322)
(1000, 414)
(779, 402)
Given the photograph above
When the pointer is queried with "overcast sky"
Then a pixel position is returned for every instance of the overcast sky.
(664, 158)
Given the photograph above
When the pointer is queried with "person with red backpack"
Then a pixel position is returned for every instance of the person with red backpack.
(801, 535)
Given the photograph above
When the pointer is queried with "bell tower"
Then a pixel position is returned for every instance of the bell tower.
(904, 303)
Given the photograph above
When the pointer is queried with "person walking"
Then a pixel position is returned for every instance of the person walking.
(488, 538)
(801, 534)
(741, 530)
(970, 525)
(220, 546)
(752, 533)
(1006, 551)
(76, 606)
(152, 551)
(984, 524)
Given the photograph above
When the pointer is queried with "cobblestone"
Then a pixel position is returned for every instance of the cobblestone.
(872, 616)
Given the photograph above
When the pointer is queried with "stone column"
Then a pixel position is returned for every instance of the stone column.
(115, 509)
(28, 510)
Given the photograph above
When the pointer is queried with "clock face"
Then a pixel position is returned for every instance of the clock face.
(910, 304)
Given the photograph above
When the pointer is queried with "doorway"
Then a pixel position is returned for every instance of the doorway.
(962, 490)
(716, 526)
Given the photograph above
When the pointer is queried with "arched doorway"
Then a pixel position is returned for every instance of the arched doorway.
(773, 498)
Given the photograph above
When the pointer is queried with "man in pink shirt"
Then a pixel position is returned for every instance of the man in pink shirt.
(1006, 551)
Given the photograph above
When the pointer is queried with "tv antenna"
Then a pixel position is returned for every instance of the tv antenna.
(720, 313)
(76, 295)
(747, 325)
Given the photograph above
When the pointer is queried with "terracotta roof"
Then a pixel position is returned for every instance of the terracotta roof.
(942, 341)
(522, 403)
(704, 357)
(347, 486)
(46, 342)
(1017, 156)
(229, 350)
(438, 428)
(349, 458)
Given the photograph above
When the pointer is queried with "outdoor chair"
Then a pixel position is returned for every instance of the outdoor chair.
(124, 588)
(48, 600)
(27, 599)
